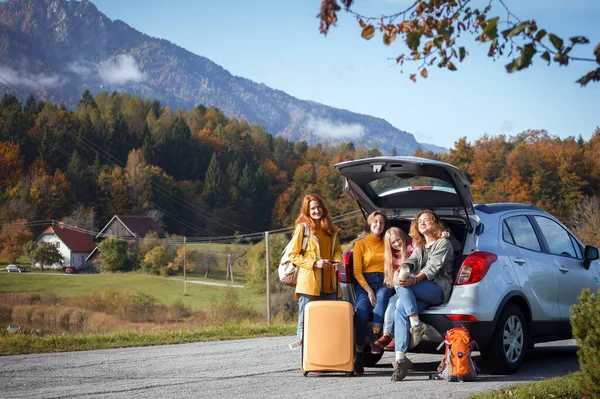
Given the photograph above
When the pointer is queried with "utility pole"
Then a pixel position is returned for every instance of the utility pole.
(230, 266)
(184, 280)
(268, 260)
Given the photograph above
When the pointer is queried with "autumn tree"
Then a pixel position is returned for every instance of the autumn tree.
(184, 255)
(585, 220)
(115, 195)
(81, 217)
(429, 30)
(11, 164)
(157, 260)
(12, 238)
(137, 174)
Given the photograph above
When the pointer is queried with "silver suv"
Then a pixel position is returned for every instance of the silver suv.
(518, 269)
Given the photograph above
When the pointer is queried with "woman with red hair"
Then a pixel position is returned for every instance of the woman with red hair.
(319, 260)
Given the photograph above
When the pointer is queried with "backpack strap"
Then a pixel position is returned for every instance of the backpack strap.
(306, 235)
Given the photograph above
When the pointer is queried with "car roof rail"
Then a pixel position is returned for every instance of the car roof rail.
(504, 206)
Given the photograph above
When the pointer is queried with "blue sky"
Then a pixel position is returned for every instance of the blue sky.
(277, 42)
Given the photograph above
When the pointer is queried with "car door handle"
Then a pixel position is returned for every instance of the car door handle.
(564, 270)
(520, 261)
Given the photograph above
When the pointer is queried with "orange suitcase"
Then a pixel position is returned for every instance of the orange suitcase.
(328, 343)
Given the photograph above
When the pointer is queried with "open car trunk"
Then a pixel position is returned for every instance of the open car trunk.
(403, 186)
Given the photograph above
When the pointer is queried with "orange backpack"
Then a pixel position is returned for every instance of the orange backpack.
(457, 364)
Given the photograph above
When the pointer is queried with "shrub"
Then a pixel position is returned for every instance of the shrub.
(140, 307)
(585, 322)
(156, 260)
(113, 256)
(230, 310)
(257, 274)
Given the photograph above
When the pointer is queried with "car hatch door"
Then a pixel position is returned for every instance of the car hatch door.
(396, 183)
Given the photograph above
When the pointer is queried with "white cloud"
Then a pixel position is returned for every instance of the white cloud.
(32, 81)
(79, 69)
(125, 69)
(327, 129)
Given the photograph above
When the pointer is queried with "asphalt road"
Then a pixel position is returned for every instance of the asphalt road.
(251, 368)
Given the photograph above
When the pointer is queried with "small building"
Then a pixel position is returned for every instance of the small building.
(130, 228)
(74, 245)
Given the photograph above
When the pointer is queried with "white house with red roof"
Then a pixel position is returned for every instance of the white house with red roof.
(74, 245)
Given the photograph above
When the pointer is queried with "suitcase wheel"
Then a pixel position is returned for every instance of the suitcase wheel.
(306, 373)
(350, 374)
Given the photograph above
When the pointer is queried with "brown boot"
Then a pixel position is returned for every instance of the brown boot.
(401, 369)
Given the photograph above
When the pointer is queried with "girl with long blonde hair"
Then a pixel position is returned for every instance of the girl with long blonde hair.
(397, 250)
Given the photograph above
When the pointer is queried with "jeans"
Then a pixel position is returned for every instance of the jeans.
(364, 309)
(303, 299)
(412, 300)
(390, 314)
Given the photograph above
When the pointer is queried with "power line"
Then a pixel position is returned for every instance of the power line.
(111, 159)
(66, 153)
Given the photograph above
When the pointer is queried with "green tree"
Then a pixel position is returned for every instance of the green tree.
(430, 28)
(213, 183)
(46, 254)
(113, 255)
(87, 100)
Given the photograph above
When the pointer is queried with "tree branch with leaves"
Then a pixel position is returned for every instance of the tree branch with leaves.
(430, 28)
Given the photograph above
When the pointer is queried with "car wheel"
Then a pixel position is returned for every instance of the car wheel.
(506, 351)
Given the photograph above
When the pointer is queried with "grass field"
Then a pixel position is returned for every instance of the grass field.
(166, 290)
(218, 262)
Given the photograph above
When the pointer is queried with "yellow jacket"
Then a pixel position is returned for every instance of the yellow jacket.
(309, 277)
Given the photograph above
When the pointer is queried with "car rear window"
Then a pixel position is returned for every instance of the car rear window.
(397, 184)
(521, 233)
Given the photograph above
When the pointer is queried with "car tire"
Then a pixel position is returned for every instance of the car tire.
(506, 351)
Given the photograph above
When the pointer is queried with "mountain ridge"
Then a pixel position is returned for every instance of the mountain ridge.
(57, 49)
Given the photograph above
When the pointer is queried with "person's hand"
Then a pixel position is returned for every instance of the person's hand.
(321, 263)
(407, 282)
(372, 298)
(337, 265)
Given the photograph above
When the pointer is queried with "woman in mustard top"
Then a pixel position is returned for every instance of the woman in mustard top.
(321, 258)
(372, 294)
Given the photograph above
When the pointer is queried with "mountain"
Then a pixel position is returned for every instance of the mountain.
(56, 49)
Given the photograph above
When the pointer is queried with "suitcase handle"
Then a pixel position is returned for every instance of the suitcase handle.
(335, 282)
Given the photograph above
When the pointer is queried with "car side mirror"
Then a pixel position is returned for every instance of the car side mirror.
(590, 253)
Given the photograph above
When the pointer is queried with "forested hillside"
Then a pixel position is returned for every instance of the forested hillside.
(200, 173)
(60, 48)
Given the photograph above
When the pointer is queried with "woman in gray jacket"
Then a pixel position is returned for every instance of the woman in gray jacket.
(429, 283)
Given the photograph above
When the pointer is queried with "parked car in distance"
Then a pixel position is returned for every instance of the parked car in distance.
(71, 270)
(518, 270)
(15, 269)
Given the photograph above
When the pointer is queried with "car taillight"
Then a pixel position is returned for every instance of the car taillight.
(474, 267)
(345, 273)
(461, 317)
